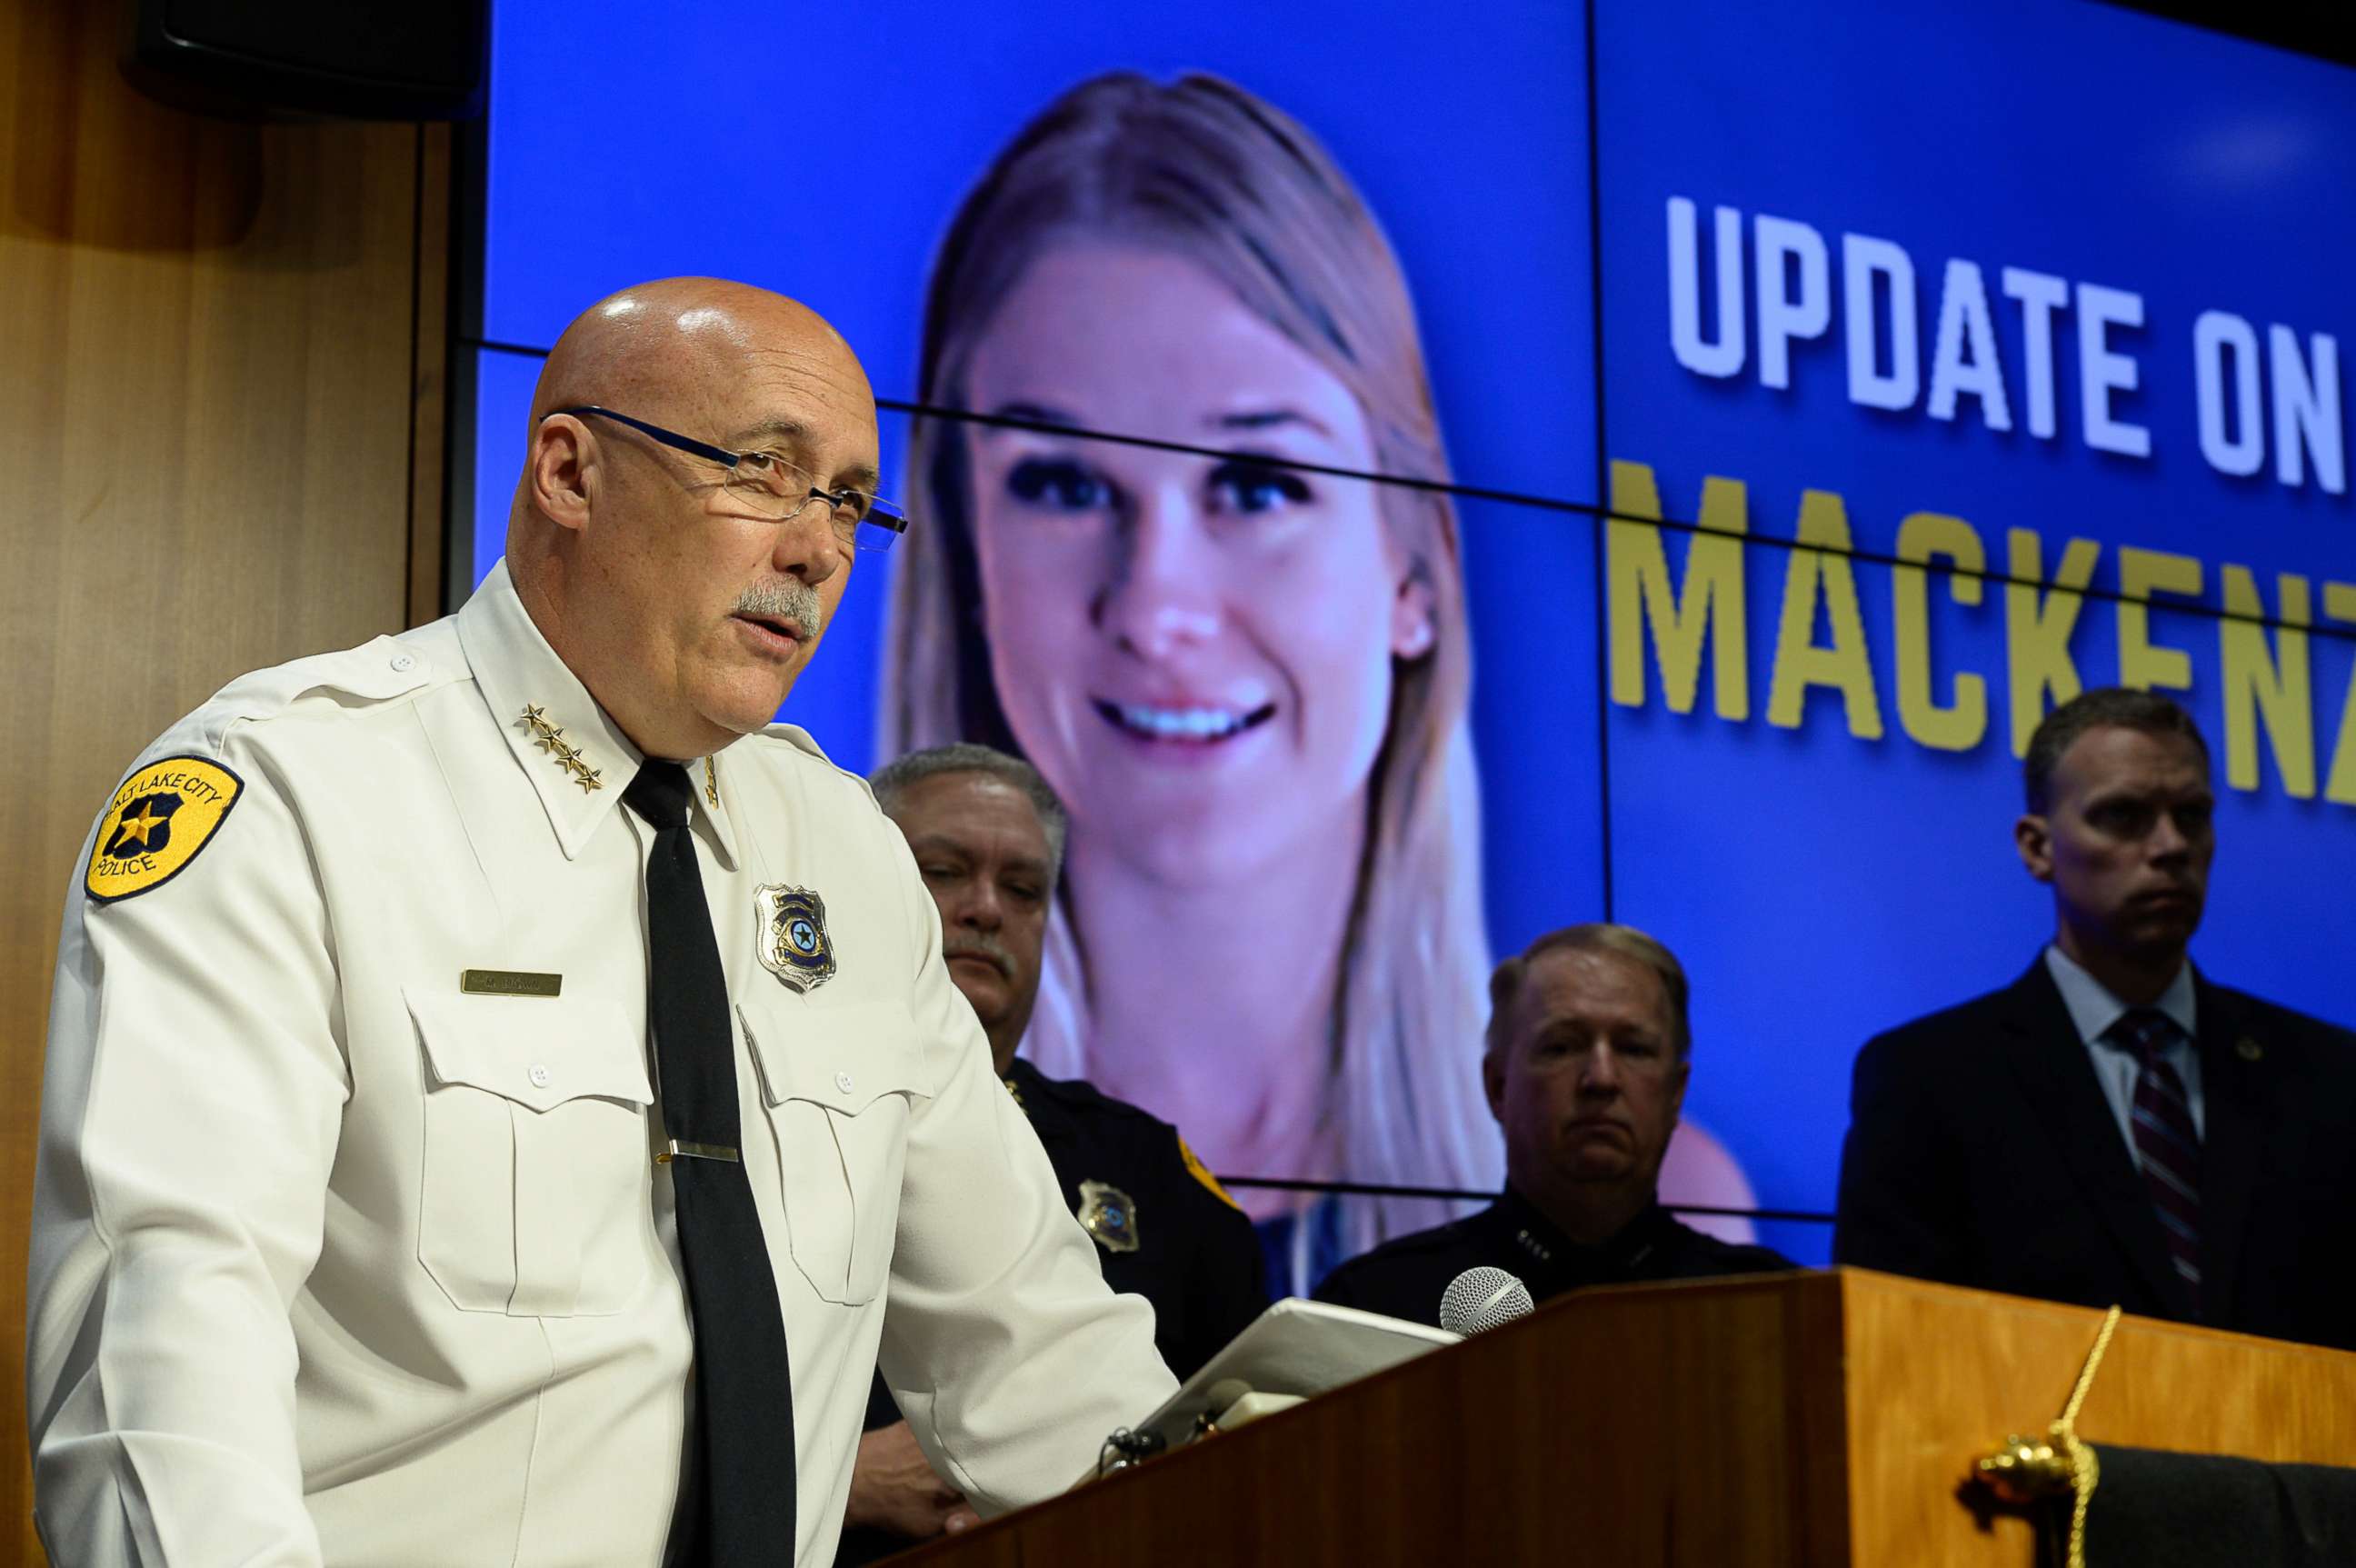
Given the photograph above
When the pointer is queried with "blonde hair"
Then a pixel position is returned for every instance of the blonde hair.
(1203, 169)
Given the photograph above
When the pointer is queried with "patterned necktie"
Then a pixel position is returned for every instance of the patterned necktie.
(740, 1501)
(2167, 1145)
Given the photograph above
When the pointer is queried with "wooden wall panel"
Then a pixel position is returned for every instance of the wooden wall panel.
(220, 366)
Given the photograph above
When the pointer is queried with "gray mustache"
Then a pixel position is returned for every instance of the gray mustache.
(797, 603)
(983, 948)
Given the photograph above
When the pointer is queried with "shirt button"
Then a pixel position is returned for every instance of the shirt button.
(842, 1081)
(403, 661)
(540, 1075)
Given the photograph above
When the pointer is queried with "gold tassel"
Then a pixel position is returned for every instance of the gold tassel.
(2026, 1469)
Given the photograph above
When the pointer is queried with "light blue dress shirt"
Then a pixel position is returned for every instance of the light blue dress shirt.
(2093, 1009)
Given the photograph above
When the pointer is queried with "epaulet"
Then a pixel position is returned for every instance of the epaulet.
(1080, 1094)
(799, 739)
(1381, 1268)
(1730, 1257)
(1415, 1241)
(377, 671)
(1751, 1259)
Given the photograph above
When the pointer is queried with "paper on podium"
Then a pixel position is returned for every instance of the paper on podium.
(1296, 1347)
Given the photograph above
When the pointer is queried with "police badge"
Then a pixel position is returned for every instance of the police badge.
(794, 943)
(1107, 1214)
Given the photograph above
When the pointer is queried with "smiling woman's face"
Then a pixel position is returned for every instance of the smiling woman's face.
(1196, 652)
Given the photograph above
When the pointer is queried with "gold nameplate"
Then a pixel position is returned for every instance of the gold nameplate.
(508, 983)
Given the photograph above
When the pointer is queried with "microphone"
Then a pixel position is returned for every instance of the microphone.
(1481, 1299)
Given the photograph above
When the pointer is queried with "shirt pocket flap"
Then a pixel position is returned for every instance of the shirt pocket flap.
(538, 1052)
(844, 1059)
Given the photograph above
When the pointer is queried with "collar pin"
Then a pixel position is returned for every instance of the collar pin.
(549, 739)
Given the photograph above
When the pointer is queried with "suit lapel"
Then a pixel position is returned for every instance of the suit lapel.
(2233, 1068)
(2050, 1060)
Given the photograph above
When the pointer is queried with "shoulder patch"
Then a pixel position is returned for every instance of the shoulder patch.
(1202, 1172)
(163, 814)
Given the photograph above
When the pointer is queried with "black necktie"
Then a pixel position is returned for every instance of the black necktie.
(741, 1504)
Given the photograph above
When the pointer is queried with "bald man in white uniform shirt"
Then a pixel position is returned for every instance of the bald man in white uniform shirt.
(358, 1230)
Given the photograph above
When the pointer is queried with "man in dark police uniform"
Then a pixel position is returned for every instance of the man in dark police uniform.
(1588, 1054)
(2113, 1127)
(988, 837)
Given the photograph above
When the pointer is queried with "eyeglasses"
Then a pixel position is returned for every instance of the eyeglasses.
(772, 487)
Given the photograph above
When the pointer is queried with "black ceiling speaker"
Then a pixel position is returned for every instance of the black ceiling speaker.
(361, 59)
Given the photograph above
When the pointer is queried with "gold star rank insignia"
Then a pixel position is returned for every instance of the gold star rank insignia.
(157, 820)
(549, 739)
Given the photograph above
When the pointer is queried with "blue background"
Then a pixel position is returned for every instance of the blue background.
(1825, 887)
(1818, 887)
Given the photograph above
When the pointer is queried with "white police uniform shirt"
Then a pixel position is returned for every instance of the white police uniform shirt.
(336, 1261)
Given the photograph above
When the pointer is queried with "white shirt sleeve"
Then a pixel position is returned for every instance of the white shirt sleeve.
(189, 1119)
(1010, 1357)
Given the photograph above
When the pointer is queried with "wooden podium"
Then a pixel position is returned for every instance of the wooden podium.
(1811, 1420)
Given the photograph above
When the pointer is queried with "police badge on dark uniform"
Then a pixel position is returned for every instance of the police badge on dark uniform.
(794, 943)
(1107, 1214)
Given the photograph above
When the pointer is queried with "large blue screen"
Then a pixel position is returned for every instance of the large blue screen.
(1934, 362)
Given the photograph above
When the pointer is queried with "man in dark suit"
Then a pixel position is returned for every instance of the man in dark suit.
(2114, 1127)
(1590, 1048)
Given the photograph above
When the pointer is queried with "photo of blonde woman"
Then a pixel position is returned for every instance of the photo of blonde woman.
(1247, 679)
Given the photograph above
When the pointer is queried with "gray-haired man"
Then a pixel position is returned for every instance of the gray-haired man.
(988, 837)
(1588, 1054)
